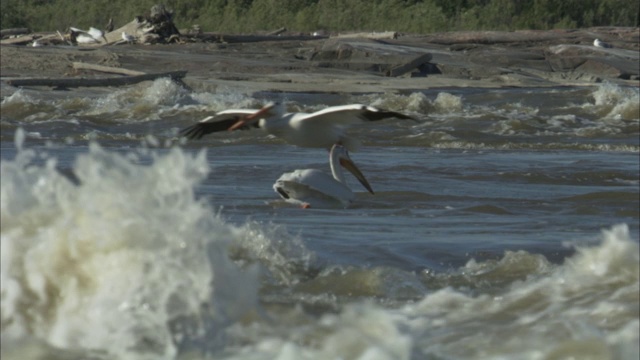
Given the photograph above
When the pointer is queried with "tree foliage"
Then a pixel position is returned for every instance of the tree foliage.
(245, 16)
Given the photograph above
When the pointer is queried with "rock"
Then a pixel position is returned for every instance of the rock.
(602, 62)
(366, 55)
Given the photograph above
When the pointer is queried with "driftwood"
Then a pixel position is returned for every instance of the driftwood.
(107, 69)
(162, 21)
(68, 83)
(277, 32)
(232, 38)
(370, 35)
(43, 38)
(22, 40)
(14, 31)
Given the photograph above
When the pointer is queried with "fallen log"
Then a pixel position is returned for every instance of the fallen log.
(14, 31)
(120, 81)
(22, 40)
(277, 32)
(233, 38)
(108, 69)
(369, 35)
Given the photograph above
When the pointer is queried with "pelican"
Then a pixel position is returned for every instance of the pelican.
(319, 129)
(97, 34)
(93, 35)
(600, 43)
(315, 188)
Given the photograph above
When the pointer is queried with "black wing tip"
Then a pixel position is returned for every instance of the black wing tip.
(193, 132)
(380, 114)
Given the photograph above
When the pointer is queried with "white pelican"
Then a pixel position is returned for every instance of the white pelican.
(82, 38)
(600, 43)
(319, 129)
(97, 34)
(315, 188)
(93, 35)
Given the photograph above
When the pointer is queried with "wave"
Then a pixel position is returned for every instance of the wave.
(519, 306)
(124, 259)
(125, 262)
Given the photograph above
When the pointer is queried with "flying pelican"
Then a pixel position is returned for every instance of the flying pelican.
(319, 129)
(315, 188)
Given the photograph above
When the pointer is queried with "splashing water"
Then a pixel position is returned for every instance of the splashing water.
(127, 261)
(615, 102)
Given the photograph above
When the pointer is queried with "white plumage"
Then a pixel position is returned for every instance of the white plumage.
(317, 189)
(128, 38)
(90, 36)
(319, 129)
(600, 43)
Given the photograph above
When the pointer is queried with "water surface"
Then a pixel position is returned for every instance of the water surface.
(504, 225)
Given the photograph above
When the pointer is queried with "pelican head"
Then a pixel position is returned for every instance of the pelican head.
(340, 155)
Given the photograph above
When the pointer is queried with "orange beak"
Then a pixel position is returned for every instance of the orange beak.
(351, 166)
(247, 120)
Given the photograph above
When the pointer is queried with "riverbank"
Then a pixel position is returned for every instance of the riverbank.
(358, 64)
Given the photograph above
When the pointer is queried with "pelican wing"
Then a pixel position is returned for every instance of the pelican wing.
(350, 114)
(221, 121)
(97, 34)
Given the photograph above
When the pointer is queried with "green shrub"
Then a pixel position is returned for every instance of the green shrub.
(246, 16)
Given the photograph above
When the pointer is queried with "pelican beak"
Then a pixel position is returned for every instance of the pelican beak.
(351, 166)
(249, 119)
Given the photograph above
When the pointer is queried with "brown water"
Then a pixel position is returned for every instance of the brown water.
(484, 238)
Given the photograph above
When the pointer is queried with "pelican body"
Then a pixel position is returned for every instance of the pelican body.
(315, 188)
(600, 43)
(90, 36)
(322, 128)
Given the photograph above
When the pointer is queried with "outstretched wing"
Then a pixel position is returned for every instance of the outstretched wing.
(221, 121)
(354, 113)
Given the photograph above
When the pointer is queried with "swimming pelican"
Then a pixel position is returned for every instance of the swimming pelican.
(315, 188)
(319, 129)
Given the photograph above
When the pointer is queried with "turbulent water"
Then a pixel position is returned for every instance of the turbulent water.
(504, 225)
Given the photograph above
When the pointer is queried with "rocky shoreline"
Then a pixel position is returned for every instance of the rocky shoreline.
(359, 64)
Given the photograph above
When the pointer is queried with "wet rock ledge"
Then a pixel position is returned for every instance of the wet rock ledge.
(358, 62)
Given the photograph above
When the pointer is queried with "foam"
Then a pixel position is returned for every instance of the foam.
(128, 262)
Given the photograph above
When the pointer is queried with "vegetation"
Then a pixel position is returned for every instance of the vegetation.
(246, 16)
